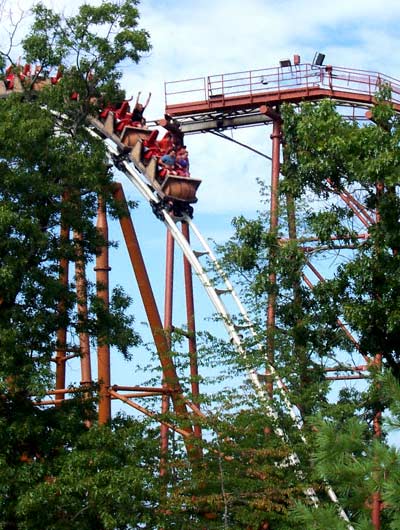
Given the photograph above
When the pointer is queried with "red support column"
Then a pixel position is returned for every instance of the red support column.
(61, 350)
(191, 324)
(377, 423)
(169, 286)
(274, 216)
(376, 497)
(168, 309)
(81, 292)
(102, 284)
(153, 316)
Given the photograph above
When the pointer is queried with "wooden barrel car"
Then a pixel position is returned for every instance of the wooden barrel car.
(173, 187)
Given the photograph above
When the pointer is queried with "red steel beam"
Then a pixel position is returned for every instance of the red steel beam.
(157, 390)
(82, 306)
(309, 284)
(274, 217)
(270, 98)
(60, 358)
(169, 286)
(153, 316)
(359, 210)
(168, 309)
(345, 377)
(191, 325)
(102, 269)
(377, 422)
(149, 413)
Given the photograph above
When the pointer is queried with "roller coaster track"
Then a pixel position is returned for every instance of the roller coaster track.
(125, 163)
(223, 108)
(128, 163)
(128, 160)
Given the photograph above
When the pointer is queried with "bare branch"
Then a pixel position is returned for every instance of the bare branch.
(12, 21)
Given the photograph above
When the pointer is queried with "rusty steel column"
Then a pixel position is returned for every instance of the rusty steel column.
(169, 286)
(82, 306)
(377, 422)
(102, 285)
(61, 350)
(191, 326)
(168, 309)
(153, 316)
(274, 217)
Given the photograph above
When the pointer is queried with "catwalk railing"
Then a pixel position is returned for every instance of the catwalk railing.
(263, 81)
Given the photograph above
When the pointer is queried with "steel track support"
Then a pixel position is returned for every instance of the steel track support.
(298, 350)
(377, 422)
(168, 310)
(169, 287)
(193, 451)
(102, 269)
(274, 219)
(153, 316)
(377, 425)
(191, 327)
(61, 350)
(82, 307)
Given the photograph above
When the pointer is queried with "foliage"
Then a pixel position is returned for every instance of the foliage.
(87, 49)
(52, 172)
(326, 156)
(41, 187)
(57, 473)
(243, 479)
(365, 289)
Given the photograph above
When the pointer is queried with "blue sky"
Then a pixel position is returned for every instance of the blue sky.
(196, 39)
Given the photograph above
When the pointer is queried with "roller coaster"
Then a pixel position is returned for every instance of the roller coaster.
(214, 103)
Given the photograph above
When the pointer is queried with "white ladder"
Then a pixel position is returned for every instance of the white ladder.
(125, 164)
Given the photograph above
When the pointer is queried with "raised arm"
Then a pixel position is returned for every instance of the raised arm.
(147, 100)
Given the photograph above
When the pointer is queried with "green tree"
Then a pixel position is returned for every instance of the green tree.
(55, 472)
(243, 480)
(325, 152)
(326, 157)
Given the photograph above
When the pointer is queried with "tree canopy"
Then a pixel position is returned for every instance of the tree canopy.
(59, 469)
(55, 471)
(343, 317)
